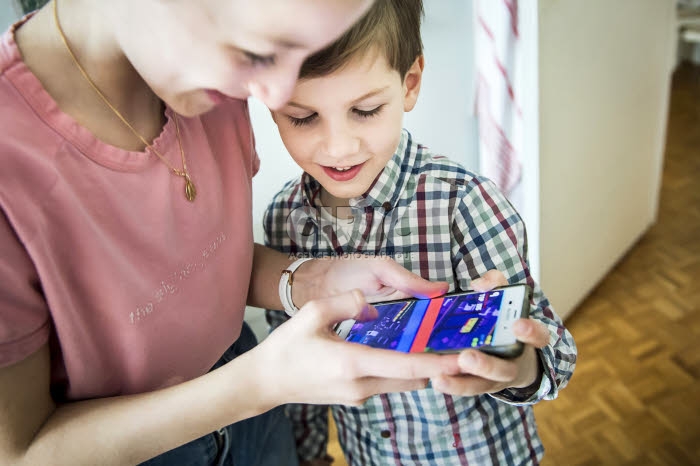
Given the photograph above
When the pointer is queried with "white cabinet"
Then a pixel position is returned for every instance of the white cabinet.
(604, 78)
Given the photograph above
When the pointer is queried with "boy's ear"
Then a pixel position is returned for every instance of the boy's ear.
(411, 83)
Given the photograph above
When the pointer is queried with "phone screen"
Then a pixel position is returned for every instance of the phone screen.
(446, 324)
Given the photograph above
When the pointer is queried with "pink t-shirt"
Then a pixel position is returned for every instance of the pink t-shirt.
(101, 255)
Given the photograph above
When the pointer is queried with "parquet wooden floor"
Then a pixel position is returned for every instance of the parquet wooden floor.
(635, 395)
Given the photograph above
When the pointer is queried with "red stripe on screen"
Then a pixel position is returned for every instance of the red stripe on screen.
(426, 327)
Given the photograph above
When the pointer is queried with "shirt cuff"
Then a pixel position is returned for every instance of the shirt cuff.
(531, 394)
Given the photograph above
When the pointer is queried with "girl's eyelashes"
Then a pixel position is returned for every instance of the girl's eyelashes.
(302, 121)
(309, 119)
(259, 60)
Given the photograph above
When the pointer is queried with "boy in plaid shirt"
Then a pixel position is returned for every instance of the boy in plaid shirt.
(369, 188)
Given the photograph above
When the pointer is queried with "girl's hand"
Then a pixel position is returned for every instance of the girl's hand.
(304, 361)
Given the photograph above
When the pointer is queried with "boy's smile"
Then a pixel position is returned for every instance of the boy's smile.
(344, 127)
(343, 173)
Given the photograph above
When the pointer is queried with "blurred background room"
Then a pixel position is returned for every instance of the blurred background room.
(587, 114)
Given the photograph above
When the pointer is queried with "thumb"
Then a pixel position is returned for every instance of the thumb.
(531, 332)
(391, 274)
(349, 305)
(489, 281)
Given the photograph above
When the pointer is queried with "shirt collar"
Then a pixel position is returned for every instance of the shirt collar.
(387, 187)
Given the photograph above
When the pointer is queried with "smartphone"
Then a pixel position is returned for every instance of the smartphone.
(447, 324)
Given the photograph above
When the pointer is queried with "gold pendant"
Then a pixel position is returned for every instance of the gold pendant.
(190, 190)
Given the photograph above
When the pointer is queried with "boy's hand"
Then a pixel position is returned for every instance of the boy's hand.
(484, 373)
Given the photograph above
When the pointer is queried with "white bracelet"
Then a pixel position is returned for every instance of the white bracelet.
(285, 287)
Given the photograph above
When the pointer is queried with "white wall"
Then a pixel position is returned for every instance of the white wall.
(8, 14)
(526, 197)
(604, 86)
(442, 120)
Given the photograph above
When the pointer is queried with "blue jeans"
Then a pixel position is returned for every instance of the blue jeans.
(264, 440)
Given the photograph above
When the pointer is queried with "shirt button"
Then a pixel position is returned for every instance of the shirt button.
(386, 206)
(385, 434)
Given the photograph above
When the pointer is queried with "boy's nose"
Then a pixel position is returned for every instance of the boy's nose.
(340, 144)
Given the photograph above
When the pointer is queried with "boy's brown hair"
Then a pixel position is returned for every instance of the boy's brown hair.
(392, 26)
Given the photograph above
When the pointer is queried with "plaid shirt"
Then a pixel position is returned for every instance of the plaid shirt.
(444, 223)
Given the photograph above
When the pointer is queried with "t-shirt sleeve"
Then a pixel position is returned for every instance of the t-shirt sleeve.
(24, 315)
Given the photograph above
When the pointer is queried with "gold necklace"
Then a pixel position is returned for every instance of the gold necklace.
(190, 190)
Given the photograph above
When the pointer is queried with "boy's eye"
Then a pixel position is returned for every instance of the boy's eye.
(259, 60)
(310, 119)
(302, 121)
(367, 113)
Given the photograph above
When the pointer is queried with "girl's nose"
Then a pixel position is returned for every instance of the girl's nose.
(274, 87)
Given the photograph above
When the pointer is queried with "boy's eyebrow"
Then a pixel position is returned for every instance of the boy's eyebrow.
(359, 99)
(370, 94)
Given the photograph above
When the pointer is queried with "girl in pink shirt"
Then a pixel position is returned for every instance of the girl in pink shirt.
(126, 248)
